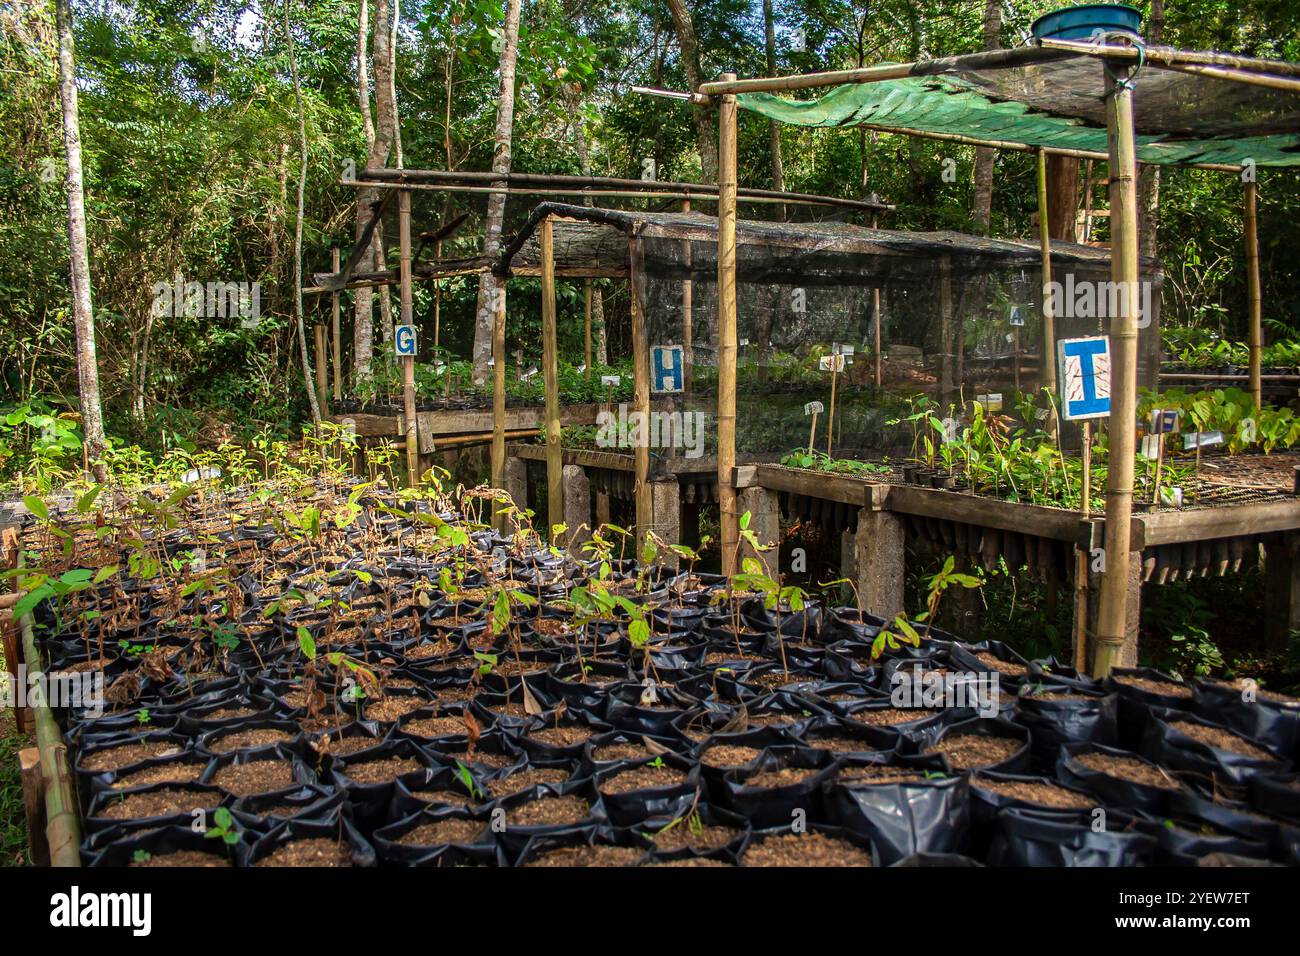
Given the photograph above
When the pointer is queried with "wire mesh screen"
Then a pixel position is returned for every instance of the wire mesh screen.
(837, 323)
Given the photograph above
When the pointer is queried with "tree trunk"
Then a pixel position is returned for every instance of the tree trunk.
(704, 131)
(982, 204)
(310, 386)
(380, 140)
(489, 287)
(774, 128)
(92, 421)
(1062, 197)
(1149, 177)
(363, 299)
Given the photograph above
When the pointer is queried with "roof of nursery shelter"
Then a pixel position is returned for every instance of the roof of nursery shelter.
(1187, 109)
(595, 241)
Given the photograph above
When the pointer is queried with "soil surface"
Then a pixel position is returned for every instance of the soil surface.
(549, 811)
(1162, 687)
(806, 849)
(643, 778)
(317, 851)
(381, 771)
(1221, 739)
(256, 776)
(589, 856)
(1039, 794)
(971, 751)
(1130, 769)
(443, 832)
(728, 755)
(157, 803)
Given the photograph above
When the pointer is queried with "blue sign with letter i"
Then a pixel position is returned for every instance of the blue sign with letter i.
(1084, 377)
(667, 369)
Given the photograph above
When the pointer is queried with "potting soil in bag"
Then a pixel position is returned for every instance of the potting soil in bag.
(1023, 837)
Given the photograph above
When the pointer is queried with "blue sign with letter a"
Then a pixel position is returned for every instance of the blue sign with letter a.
(1084, 378)
(667, 369)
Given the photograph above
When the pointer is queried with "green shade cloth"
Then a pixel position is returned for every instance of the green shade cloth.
(949, 105)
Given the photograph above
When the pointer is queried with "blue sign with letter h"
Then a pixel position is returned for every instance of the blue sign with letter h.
(666, 368)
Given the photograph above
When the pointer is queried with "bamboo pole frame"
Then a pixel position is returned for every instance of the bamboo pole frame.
(1112, 615)
(408, 361)
(688, 315)
(729, 519)
(322, 367)
(499, 400)
(1253, 295)
(336, 331)
(1048, 364)
(640, 389)
(62, 825)
(550, 378)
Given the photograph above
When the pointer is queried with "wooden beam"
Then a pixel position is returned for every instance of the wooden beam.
(550, 377)
(730, 520)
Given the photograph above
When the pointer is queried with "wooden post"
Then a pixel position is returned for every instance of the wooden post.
(729, 519)
(945, 329)
(322, 368)
(499, 402)
(550, 378)
(336, 331)
(640, 390)
(29, 766)
(1048, 362)
(587, 309)
(1112, 614)
(408, 361)
(1255, 339)
(1082, 557)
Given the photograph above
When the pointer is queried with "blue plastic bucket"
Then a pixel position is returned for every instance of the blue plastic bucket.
(1085, 20)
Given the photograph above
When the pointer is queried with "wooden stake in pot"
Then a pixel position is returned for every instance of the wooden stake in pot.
(813, 409)
(408, 360)
(1081, 555)
(336, 333)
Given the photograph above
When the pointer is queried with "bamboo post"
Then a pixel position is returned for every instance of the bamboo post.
(437, 304)
(1113, 609)
(408, 361)
(688, 313)
(322, 368)
(499, 400)
(640, 389)
(1082, 556)
(875, 320)
(812, 432)
(1048, 363)
(62, 827)
(587, 310)
(830, 416)
(336, 331)
(729, 520)
(550, 378)
(1253, 292)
